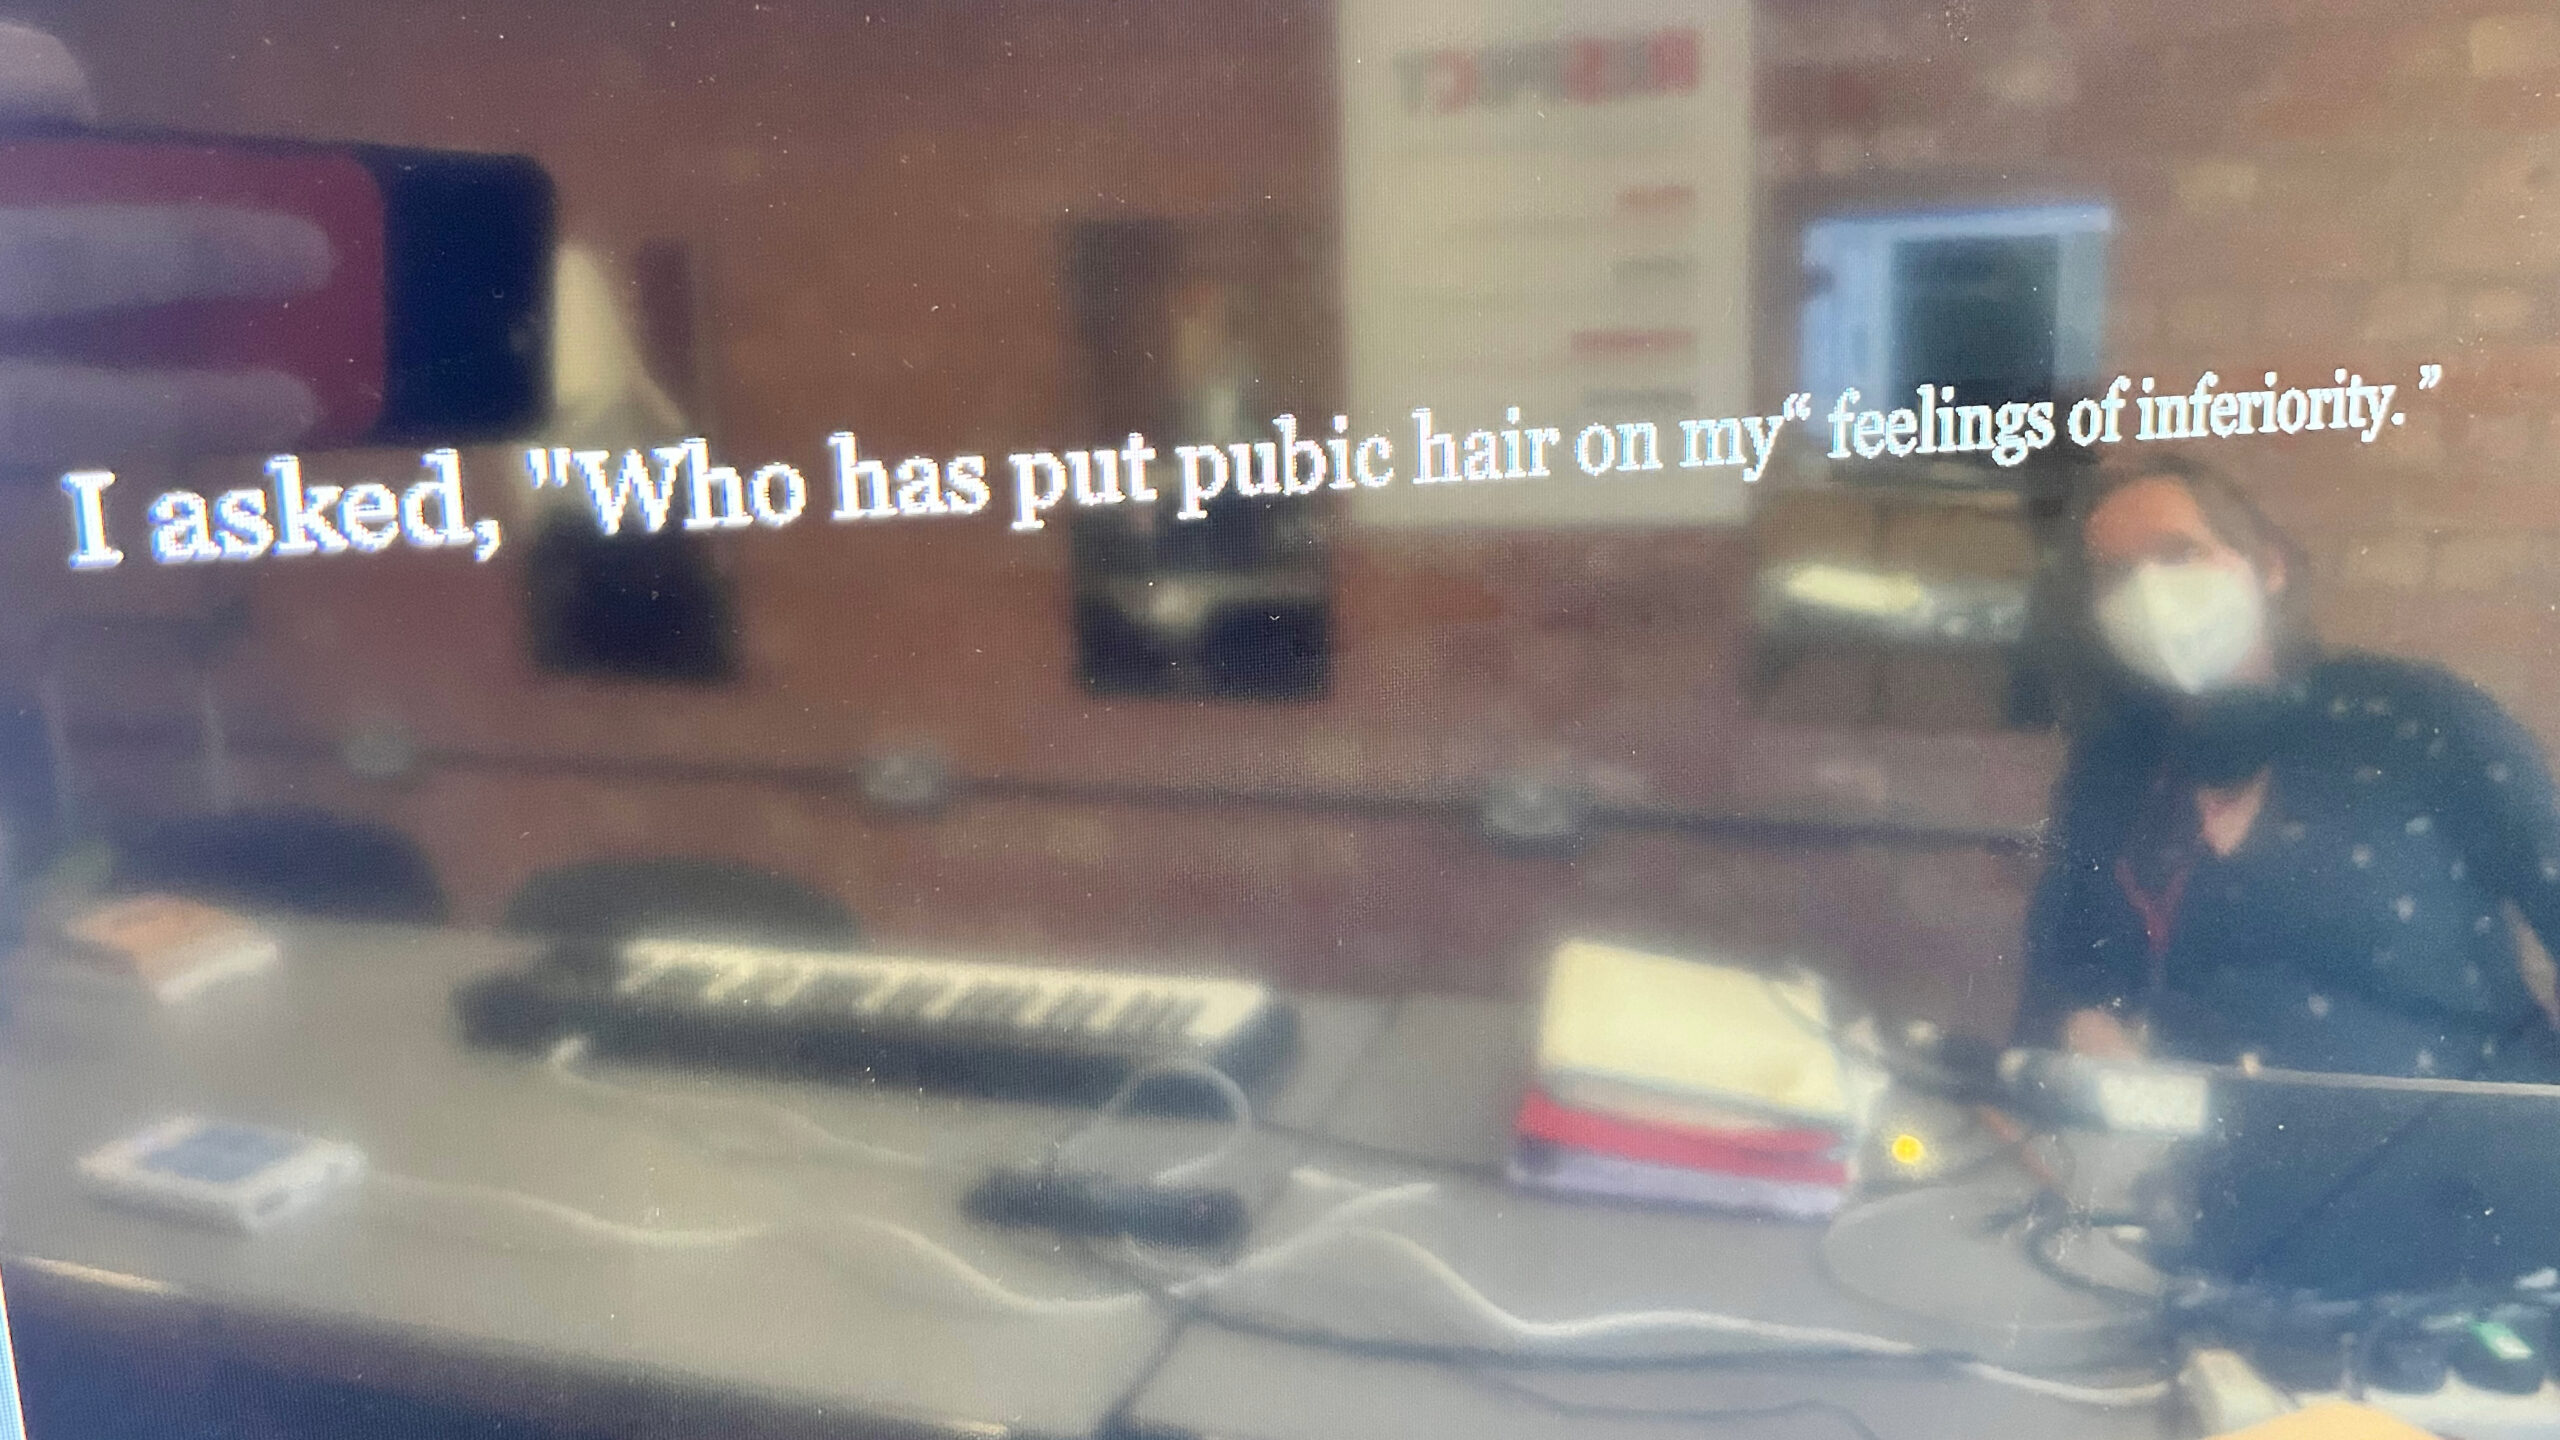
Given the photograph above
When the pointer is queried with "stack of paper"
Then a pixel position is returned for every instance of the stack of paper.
(1679, 1081)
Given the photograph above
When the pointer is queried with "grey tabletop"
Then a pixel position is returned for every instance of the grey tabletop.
(836, 1308)
(1438, 1090)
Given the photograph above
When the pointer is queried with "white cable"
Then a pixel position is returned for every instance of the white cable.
(1239, 1117)
(975, 1284)
(1320, 1179)
(1567, 1332)
(978, 1284)
(1324, 1227)
(571, 1217)
(1564, 1334)
(1239, 1126)
(563, 1064)
(2102, 1396)
(1330, 1226)
(1365, 1198)
(986, 1289)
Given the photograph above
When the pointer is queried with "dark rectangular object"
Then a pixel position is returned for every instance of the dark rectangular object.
(1082, 1203)
(2357, 1185)
(432, 324)
(1978, 313)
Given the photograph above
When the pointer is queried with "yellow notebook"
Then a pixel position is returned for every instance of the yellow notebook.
(2334, 1420)
(1681, 1041)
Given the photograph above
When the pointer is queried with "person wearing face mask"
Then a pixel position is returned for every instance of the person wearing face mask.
(2266, 852)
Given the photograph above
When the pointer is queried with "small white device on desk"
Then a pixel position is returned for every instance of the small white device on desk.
(220, 1173)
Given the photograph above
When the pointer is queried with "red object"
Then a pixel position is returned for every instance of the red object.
(1635, 342)
(333, 338)
(2159, 912)
(1656, 199)
(1797, 1155)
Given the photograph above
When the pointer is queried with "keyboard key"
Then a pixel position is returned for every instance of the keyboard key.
(1075, 1009)
(991, 1003)
(1176, 1023)
(971, 1004)
(1136, 1015)
(913, 997)
(675, 985)
(764, 986)
(837, 992)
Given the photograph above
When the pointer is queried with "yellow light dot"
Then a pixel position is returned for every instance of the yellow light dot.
(1908, 1149)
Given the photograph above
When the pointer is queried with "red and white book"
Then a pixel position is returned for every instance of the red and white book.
(1561, 1170)
(1799, 1156)
(171, 946)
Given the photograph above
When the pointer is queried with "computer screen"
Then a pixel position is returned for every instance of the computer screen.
(1264, 718)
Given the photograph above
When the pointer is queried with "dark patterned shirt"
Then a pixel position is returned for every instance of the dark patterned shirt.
(2359, 926)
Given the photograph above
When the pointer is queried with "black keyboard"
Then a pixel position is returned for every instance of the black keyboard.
(988, 1026)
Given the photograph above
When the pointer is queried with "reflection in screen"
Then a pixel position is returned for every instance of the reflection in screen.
(1190, 718)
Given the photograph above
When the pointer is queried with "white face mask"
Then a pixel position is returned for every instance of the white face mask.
(2188, 627)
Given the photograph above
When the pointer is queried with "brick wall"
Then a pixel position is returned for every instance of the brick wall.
(878, 203)
(2297, 188)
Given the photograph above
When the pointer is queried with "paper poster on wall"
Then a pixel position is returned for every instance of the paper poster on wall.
(1547, 209)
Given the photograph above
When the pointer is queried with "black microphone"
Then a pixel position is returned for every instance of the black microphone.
(1083, 1202)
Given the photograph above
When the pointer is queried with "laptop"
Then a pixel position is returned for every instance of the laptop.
(2355, 1185)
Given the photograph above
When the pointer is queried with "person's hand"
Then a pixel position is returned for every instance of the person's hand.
(2100, 1035)
(67, 260)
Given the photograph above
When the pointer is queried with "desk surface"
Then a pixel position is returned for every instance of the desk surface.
(350, 1037)
(1439, 1086)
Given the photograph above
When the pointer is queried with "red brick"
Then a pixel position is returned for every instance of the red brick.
(2497, 441)
(1816, 525)
(2517, 42)
(2496, 310)
(2515, 106)
(2491, 560)
(2493, 377)
(2260, 249)
(1825, 687)
(2341, 488)
(1967, 692)
(1960, 541)
(2340, 84)
(2388, 560)
(2504, 219)
(2207, 187)
(2304, 315)
(2407, 311)
(2468, 498)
